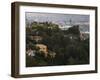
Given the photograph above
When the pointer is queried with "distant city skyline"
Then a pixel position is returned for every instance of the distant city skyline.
(60, 19)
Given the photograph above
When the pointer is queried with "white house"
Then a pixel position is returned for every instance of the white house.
(30, 52)
(84, 35)
(65, 27)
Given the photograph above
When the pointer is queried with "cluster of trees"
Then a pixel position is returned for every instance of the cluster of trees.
(69, 48)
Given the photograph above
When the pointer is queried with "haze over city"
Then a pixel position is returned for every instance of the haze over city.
(60, 19)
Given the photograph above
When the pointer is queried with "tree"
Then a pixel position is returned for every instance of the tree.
(74, 30)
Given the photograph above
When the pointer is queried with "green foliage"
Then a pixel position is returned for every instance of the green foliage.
(74, 30)
(67, 45)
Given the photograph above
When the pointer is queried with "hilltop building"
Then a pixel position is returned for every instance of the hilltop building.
(65, 27)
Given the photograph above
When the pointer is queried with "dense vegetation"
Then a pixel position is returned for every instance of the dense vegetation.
(70, 49)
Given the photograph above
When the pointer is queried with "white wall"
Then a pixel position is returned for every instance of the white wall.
(5, 40)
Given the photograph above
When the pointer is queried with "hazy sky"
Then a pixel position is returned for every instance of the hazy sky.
(60, 19)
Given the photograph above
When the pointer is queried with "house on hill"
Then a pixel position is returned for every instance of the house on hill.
(42, 48)
(36, 38)
(30, 52)
(65, 27)
(84, 35)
